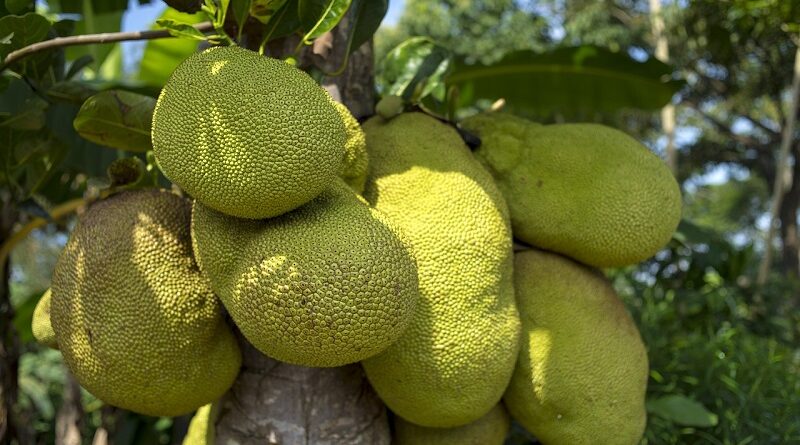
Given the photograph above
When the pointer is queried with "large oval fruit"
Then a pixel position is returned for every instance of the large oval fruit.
(453, 363)
(582, 370)
(587, 191)
(137, 323)
(327, 284)
(247, 135)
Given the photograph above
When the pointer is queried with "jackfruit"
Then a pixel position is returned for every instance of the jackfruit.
(354, 164)
(247, 135)
(452, 365)
(491, 429)
(587, 191)
(40, 325)
(328, 284)
(201, 428)
(137, 323)
(582, 371)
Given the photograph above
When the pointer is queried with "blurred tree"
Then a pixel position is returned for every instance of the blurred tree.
(478, 30)
(737, 57)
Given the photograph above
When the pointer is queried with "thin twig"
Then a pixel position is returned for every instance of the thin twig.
(88, 39)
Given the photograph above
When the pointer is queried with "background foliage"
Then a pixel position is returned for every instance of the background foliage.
(724, 353)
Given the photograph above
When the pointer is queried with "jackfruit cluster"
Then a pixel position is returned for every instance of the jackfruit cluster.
(326, 242)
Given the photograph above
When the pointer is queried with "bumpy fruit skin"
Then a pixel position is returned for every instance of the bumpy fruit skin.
(328, 284)
(355, 162)
(582, 371)
(455, 360)
(246, 135)
(40, 325)
(491, 429)
(587, 191)
(137, 323)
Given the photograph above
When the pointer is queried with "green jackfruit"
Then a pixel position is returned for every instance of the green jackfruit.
(587, 191)
(137, 323)
(456, 358)
(201, 428)
(491, 429)
(247, 135)
(582, 371)
(354, 165)
(328, 284)
(40, 325)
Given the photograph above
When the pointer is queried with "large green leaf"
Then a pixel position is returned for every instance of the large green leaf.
(83, 155)
(682, 410)
(18, 31)
(321, 16)
(368, 17)
(162, 56)
(415, 69)
(568, 81)
(117, 119)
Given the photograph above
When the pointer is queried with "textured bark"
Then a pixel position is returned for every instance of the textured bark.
(70, 414)
(9, 342)
(277, 403)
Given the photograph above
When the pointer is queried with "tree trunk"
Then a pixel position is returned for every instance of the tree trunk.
(668, 112)
(277, 403)
(790, 242)
(9, 342)
(783, 174)
(70, 414)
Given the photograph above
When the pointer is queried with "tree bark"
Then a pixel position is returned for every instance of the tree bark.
(70, 414)
(277, 403)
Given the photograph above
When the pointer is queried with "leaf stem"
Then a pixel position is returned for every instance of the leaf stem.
(88, 39)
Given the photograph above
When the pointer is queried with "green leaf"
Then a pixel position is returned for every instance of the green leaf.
(162, 56)
(23, 316)
(18, 6)
(320, 16)
(284, 22)
(265, 10)
(30, 117)
(183, 30)
(682, 410)
(368, 18)
(415, 69)
(83, 155)
(21, 31)
(117, 119)
(241, 10)
(76, 66)
(569, 81)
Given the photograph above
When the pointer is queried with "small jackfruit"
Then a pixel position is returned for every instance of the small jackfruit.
(201, 428)
(587, 191)
(491, 429)
(582, 371)
(454, 361)
(327, 284)
(354, 165)
(247, 135)
(137, 323)
(40, 325)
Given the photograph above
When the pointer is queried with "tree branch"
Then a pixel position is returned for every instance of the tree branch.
(722, 127)
(88, 39)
